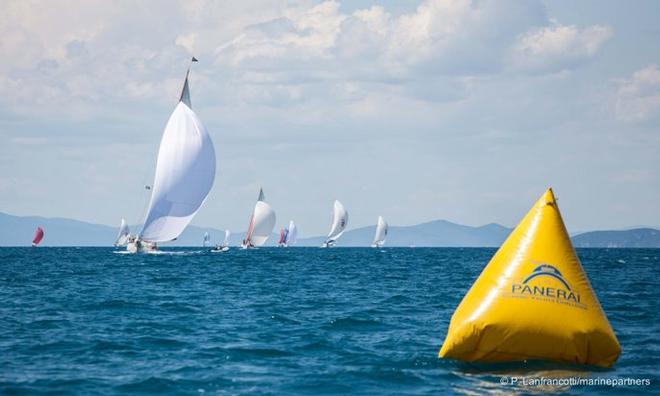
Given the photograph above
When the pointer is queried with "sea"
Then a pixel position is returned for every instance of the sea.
(93, 321)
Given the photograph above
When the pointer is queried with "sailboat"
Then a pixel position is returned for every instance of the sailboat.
(292, 234)
(185, 171)
(381, 233)
(288, 235)
(283, 235)
(123, 234)
(225, 244)
(207, 239)
(262, 222)
(38, 236)
(339, 223)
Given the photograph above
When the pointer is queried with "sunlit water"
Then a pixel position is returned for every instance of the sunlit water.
(281, 321)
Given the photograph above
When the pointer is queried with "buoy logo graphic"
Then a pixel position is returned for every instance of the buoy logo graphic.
(546, 283)
(548, 270)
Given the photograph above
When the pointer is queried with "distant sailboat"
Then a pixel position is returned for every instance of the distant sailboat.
(38, 236)
(207, 239)
(288, 235)
(225, 244)
(292, 234)
(185, 171)
(123, 235)
(339, 223)
(381, 233)
(283, 234)
(262, 222)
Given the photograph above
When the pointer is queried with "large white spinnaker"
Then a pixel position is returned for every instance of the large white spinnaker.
(123, 235)
(262, 223)
(381, 233)
(185, 171)
(339, 223)
(292, 234)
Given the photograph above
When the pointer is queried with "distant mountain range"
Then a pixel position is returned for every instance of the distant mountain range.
(19, 230)
(433, 233)
(635, 238)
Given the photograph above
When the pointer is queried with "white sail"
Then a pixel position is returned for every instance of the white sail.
(185, 171)
(122, 236)
(292, 234)
(226, 241)
(381, 233)
(262, 222)
(339, 223)
(207, 239)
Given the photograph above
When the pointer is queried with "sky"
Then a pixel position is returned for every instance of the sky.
(458, 110)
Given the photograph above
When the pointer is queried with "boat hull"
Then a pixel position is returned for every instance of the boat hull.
(141, 247)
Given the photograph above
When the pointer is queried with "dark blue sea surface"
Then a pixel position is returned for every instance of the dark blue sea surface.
(283, 321)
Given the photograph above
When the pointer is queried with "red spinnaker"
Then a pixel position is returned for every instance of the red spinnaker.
(38, 236)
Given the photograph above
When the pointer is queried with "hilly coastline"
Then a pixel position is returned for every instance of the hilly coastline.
(18, 231)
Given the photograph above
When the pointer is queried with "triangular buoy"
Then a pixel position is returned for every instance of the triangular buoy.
(533, 301)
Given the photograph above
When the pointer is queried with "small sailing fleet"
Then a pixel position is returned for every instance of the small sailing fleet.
(185, 172)
(260, 228)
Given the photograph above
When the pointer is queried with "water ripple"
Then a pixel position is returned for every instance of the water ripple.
(280, 321)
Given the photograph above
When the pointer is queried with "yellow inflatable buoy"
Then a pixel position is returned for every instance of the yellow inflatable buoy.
(533, 301)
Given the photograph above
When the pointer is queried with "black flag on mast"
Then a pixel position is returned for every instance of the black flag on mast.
(194, 59)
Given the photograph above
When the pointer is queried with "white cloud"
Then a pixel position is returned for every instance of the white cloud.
(558, 47)
(369, 49)
(439, 37)
(271, 53)
(638, 98)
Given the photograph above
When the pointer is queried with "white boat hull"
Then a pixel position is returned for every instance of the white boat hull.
(141, 247)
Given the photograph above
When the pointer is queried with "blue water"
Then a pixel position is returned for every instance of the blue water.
(281, 321)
